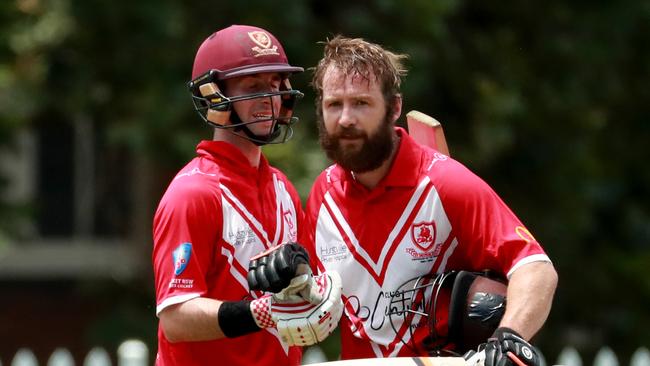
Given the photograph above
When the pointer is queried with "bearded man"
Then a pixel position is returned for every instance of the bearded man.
(390, 212)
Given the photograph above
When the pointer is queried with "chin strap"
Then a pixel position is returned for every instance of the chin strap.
(256, 139)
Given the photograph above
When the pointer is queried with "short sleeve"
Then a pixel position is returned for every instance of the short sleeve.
(186, 227)
(491, 235)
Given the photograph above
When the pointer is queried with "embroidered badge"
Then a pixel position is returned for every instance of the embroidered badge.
(182, 257)
(264, 42)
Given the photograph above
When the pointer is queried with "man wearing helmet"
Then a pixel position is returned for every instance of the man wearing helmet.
(391, 212)
(227, 205)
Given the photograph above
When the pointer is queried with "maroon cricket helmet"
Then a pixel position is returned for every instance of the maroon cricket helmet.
(241, 50)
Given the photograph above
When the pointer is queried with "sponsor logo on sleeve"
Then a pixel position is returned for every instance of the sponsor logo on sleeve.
(524, 234)
(182, 256)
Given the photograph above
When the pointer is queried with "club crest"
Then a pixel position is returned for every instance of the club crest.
(264, 42)
(423, 235)
(181, 257)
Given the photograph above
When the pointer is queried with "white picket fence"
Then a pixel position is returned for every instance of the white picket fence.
(604, 357)
(131, 352)
(134, 352)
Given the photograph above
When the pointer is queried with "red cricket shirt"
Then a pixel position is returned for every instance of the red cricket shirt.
(215, 215)
(429, 214)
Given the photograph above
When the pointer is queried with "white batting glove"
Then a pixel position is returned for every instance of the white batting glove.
(300, 322)
(298, 286)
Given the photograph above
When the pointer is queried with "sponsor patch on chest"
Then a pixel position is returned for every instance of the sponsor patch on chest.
(333, 251)
(241, 235)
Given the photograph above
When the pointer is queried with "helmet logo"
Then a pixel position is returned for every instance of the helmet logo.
(423, 235)
(264, 42)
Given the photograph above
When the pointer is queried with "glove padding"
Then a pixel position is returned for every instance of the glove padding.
(273, 269)
(299, 322)
(501, 350)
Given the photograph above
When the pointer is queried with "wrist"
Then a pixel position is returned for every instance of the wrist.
(261, 312)
(500, 330)
(236, 318)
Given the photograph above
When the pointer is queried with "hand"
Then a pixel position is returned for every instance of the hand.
(274, 269)
(506, 349)
(299, 322)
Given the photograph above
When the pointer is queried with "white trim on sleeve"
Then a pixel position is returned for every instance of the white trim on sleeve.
(175, 300)
(529, 259)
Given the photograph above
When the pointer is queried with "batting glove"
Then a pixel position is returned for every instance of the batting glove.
(300, 322)
(273, 269)
(507, 348)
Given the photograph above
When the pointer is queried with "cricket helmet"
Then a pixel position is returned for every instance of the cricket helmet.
(458, 311)
(241, 50)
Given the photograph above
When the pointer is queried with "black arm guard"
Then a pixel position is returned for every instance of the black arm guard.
(273, 269)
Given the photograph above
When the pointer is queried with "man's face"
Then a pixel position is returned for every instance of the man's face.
(257, 109)
(356, 127)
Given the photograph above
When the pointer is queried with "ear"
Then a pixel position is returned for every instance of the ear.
(397, 107)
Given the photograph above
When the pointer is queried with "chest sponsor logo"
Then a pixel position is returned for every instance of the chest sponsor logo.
(181, 256)
(423, 235)
(241, 236)
(333, 252)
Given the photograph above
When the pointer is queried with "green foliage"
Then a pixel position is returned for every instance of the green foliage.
(547, 101)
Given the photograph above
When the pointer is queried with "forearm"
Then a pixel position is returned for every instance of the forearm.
(529, 299)
(193, 320)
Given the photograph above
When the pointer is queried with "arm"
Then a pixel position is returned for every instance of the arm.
(529, 299)
(298, 322)
(193, 320)
(530, 296)
(188, 207)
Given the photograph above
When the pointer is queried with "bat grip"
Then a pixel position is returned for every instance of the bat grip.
(515, 359)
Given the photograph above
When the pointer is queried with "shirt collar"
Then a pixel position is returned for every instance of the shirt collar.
(229, 156)
(405, 169)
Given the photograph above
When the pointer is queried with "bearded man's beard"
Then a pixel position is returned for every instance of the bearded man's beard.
(374, 149)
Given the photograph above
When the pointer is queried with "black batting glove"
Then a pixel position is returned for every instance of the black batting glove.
(273, 269)
(507, 348)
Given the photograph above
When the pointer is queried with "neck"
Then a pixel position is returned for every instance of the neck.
(251, 151)
(371, 179)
